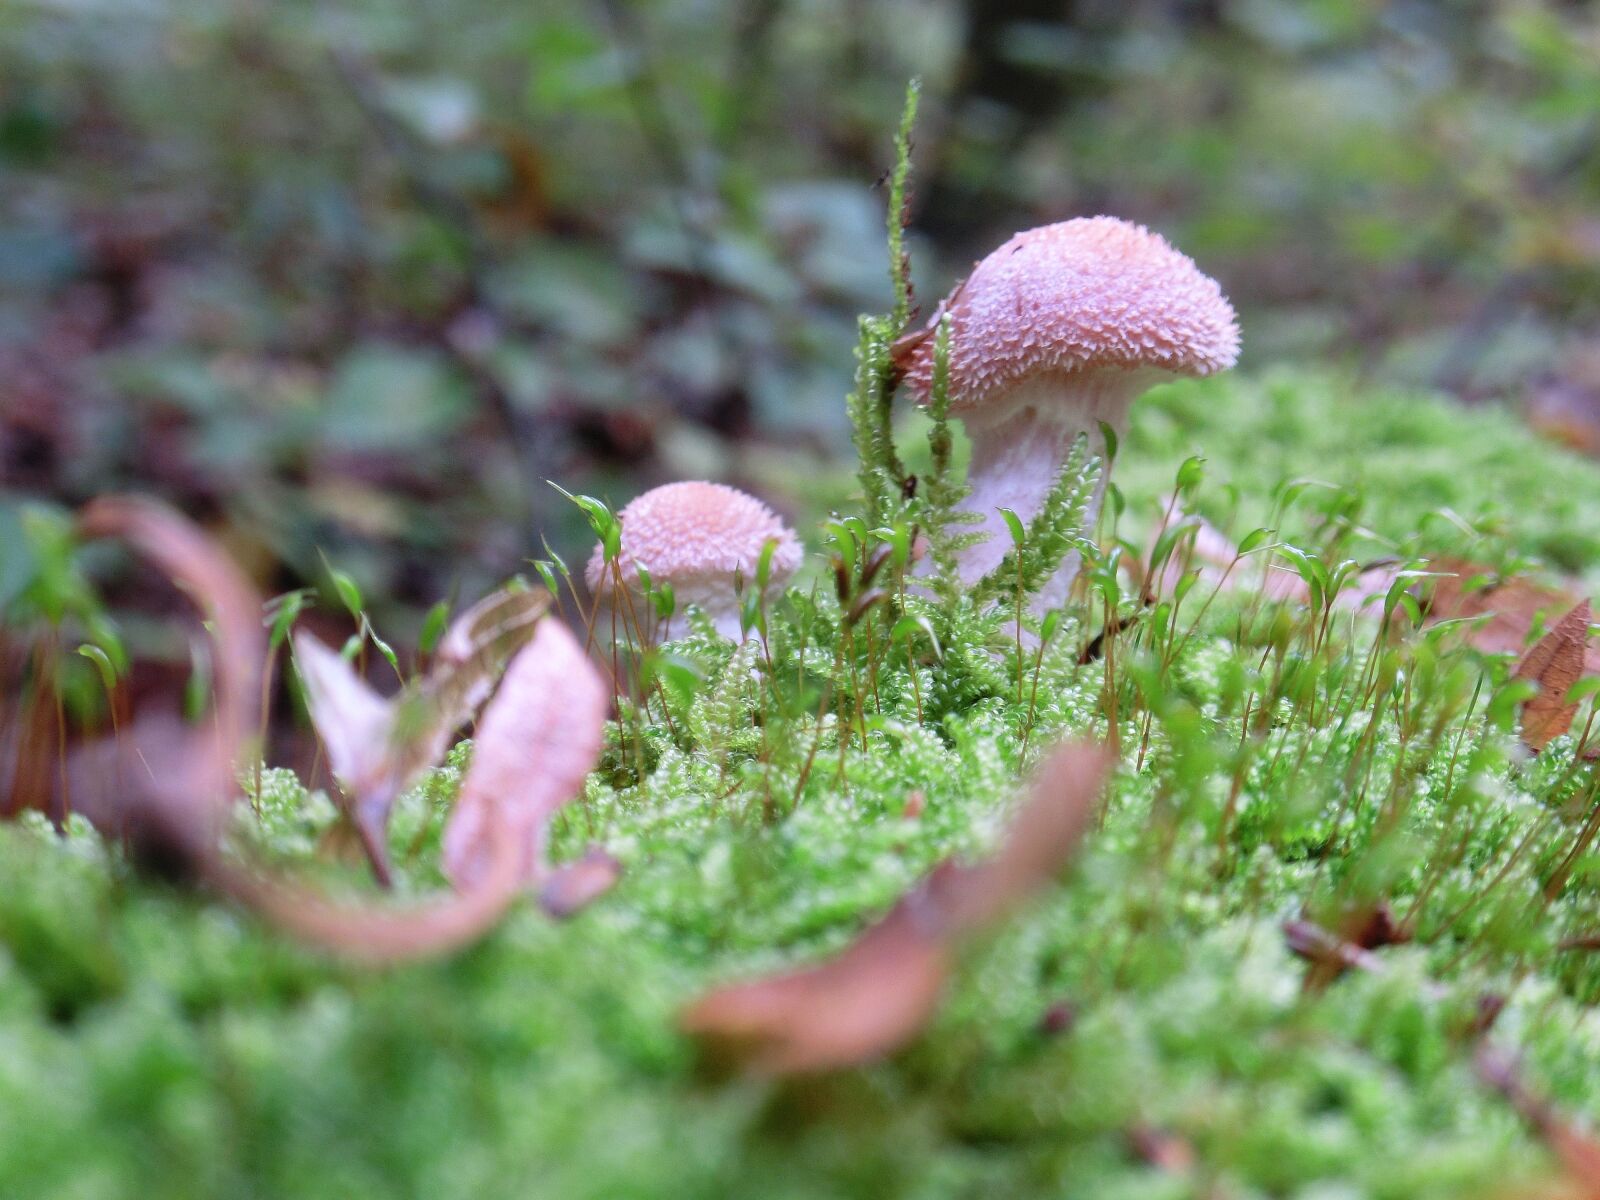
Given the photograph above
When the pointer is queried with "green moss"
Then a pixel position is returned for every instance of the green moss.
(153, 1042)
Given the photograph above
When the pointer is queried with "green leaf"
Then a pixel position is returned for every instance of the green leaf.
(681, 676)
(908, 626)
(1109, 434)
(1191, 473)
(386, 650)
(347, 590)
(197, 688)
(283, 611)
(764, 564)
(1014, 524)
(103, 664)
(1047, 630)
(1253, 541)
(390, 399)
(845, 538)
(606, 526)
(547, 573)
(665, 601)
(434, 623)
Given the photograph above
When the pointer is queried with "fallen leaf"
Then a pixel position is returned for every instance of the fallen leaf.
(1555, 663)
(165, 786)
(879, 993)
(537, 742)
(1509, 608)
(376, 746)
(1060, 805)
(1217, 558)
(355, 725)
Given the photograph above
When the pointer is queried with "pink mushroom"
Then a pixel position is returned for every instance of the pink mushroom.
(1058, 330)
(699, 538)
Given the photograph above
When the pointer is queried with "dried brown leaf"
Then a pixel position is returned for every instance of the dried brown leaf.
(356, 726)
(1555, 663)
(539, 736)
(1355, 933)
(1211, 552)
(878, 994)
(872, 999)
(1328, 954)
(537, 742)
(376, 746)
(1060, 806)
(476, 648)
(1510, 607)
(166, 784)
(162, 784)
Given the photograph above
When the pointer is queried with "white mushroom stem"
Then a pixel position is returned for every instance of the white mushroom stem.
(720, 603)
(1018, 453)
(716, 598)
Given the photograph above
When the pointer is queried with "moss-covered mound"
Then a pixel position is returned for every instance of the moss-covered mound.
(1143, 1030)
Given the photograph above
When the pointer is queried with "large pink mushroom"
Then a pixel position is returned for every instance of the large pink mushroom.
(701, 538)
(1058, 330)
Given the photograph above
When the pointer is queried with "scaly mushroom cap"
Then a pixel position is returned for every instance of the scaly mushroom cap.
(697, 534)
(1073, 297)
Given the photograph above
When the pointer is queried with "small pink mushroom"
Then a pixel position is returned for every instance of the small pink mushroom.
(699, 538)
(1059, 329)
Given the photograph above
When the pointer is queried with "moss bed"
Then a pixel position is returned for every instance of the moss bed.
(1140, 1030)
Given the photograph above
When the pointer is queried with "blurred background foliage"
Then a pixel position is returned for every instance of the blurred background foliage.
(359, 277)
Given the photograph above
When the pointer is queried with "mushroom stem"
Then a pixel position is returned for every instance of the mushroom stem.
(720, 604)
(1017, 457)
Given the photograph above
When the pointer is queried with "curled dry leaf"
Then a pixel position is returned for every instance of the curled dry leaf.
(164, 786)
(356, 726)
(1329, 953)
(878, 994)
(537, 741)
(1217, 559)
(1555, 663)
(538, 738)
(870, 1000)
(1508, 608)
(378, 746)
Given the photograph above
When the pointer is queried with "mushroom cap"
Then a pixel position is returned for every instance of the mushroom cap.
(697, 533)
(1078, 296)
